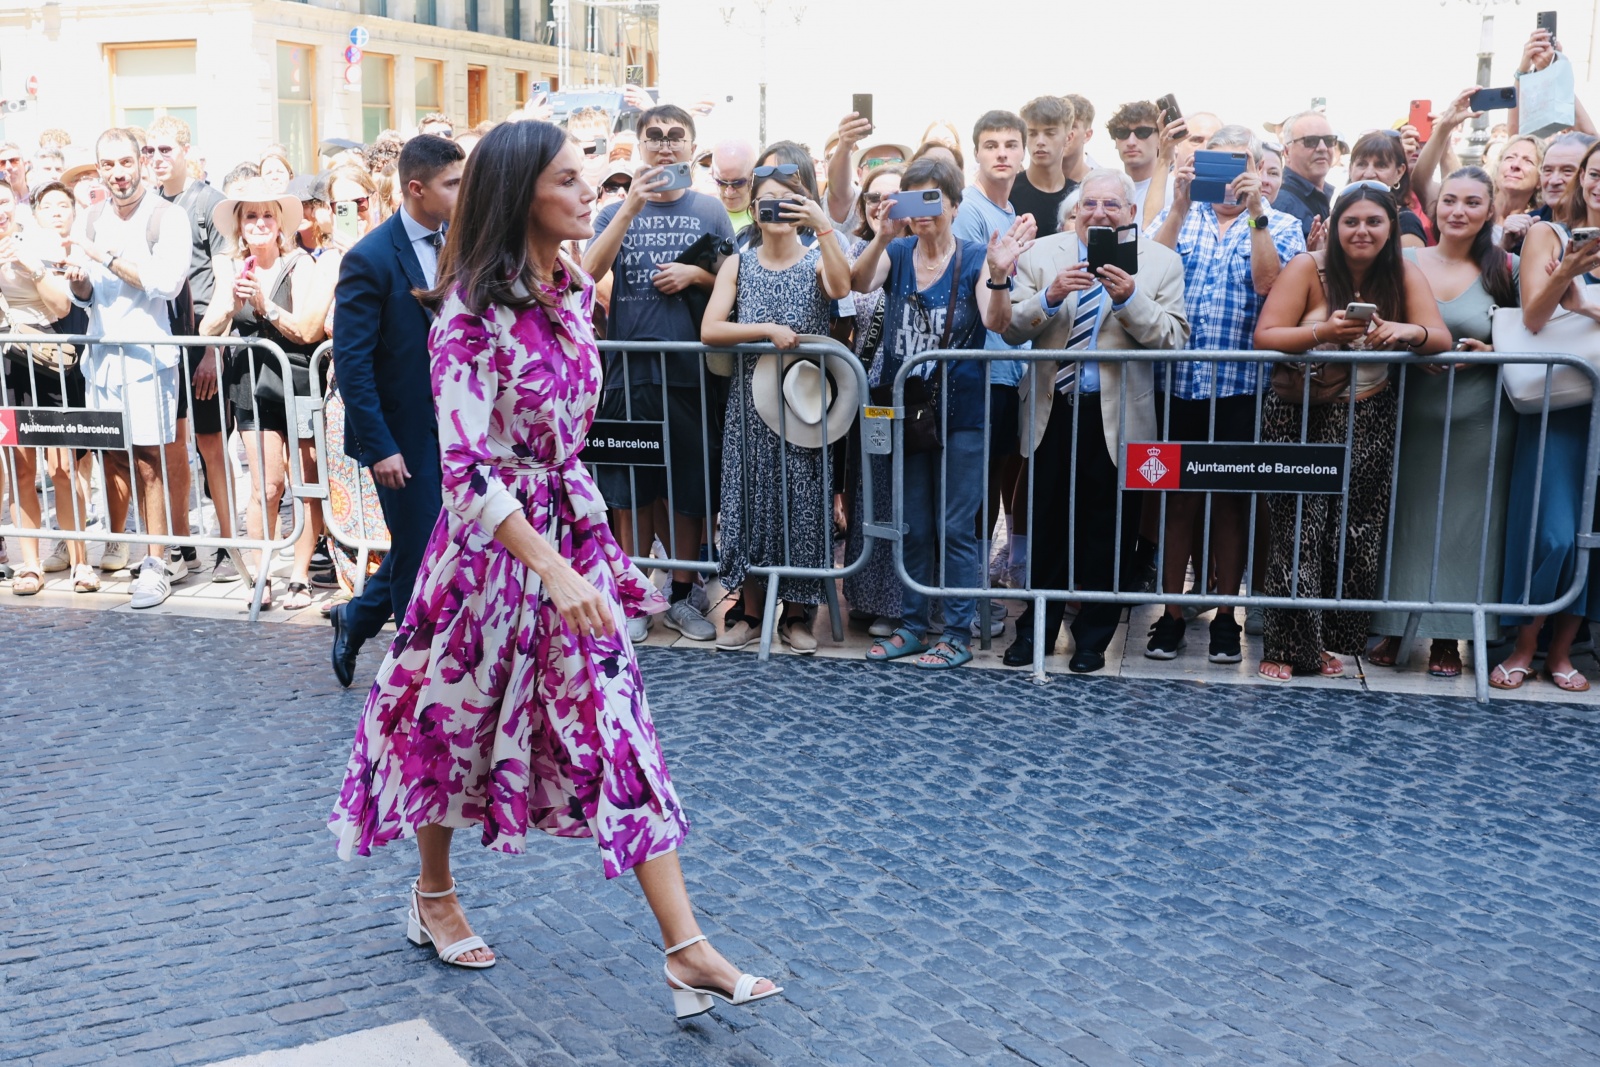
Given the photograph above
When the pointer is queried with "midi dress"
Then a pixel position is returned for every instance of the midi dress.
(489, 712)
(757, 468)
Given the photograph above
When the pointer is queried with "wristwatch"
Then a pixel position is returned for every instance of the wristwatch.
(110, 260)
(990, 283)
(1257, 222)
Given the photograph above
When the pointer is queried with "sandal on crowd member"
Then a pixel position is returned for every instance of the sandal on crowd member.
(689, 1000)
(418, 934)
(1332, 666)
(84, 579)
(1385, 653)
(299, 597)
(1500, 677)
(1564, 680)
(27, 580)
(945, 656)
(886, 649)
(1444, 660)
(1275, 671)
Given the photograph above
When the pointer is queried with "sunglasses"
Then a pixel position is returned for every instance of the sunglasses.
(1273, 146)
(1144, 133)
(787, 170)
(1375, 186)
(360, 202)
(736, 183)
(165, 150)
(873, 198)
(11, 161)
(658, 137)
(1326, 140)
(616, 187)
(879, 161)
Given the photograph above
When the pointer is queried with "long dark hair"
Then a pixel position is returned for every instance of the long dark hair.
(1493, 262)
(1386, 148)
(1385, 283)
(791, 183)
(780, 152)
(485, 251)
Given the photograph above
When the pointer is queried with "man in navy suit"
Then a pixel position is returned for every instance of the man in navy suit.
(380, 358)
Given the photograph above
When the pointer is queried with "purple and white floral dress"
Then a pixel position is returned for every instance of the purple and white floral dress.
(489, 711)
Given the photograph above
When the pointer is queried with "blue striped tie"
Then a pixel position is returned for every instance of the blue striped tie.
(1084, 321)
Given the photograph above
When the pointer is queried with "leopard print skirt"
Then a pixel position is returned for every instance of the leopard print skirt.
(1298, 636)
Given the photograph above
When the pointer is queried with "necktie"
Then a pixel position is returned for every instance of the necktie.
(1084, 321)
(436, 239)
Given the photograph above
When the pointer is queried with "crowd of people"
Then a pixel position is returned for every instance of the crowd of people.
(788, 241)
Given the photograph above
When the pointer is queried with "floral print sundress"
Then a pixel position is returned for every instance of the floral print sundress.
(489, 711)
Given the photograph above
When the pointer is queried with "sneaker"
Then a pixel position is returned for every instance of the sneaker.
(740, 632)
(57, 560)
(151, 587)
(1255, 621)
(1166, 637)
(997, 620)
(178, 565)
(683, 618)
(638, 628)
(698, 598)
(224, 569)
(116, 556)
(796, 633)
(1225, 640)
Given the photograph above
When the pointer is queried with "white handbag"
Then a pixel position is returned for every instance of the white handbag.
(1567, 333)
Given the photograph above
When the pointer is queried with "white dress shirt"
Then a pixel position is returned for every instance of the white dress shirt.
(422, 244)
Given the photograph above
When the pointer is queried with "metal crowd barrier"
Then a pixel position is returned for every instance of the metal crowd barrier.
(351, 500)
(1486, 602)
(101, 431)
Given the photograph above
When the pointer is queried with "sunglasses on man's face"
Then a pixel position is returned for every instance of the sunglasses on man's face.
(11, 161)
(787, 170)
(1326, 140)
(735, 183)
(615, 187)
(656, 137)
(1144, 133)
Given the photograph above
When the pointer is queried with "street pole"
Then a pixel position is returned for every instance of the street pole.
(762, 6)
(1478, 139)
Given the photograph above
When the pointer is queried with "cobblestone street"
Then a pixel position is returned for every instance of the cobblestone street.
(968, 868)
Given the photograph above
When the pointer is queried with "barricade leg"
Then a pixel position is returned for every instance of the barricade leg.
(1413, 620)
(1480, 656)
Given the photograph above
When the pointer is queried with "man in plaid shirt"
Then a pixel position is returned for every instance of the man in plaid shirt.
(1231, 253)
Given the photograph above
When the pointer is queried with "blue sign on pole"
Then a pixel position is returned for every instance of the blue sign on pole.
(359, 37)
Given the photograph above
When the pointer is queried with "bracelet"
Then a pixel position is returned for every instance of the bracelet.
(1314, 338)
(823, 233)
(1422, 342)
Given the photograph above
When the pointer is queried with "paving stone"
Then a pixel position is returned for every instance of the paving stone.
(963, 868)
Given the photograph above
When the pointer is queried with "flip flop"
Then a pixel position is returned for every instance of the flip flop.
(1563, 680)
(1385, 652)
(1502, 671)
(910, 645)
(1262, 671)
(957, 655)
(1446, 664)
(1327, 669)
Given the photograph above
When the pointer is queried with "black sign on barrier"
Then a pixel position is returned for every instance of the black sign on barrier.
(1235, 468)
(62, 428)
(639, 444)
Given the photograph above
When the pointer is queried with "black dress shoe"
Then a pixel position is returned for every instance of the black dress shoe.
(1020, 654)
(1086, 662)
(344, 649)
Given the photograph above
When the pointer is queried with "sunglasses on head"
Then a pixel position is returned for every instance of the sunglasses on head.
(1368, 183)
(1144, 133)
(1326, 140)
(787, 170)
(656, 136)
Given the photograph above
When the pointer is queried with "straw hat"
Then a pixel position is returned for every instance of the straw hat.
(256, 191)
(803, 393)
(80, 164)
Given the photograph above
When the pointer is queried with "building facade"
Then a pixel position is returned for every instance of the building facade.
(248, 73)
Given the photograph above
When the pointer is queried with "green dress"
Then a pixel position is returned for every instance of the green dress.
(1475, 437)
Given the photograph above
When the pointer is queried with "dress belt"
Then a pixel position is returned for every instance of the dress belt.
(582, 495)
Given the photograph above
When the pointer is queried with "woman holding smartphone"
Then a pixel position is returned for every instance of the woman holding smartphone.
(1359, 295)
(1470, 276)
(1559, 262)
(779, 289)
(939, 293)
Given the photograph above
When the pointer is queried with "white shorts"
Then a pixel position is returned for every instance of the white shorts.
(149, 396)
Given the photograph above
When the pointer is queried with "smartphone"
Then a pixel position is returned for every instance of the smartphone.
(1546, 21)
(1114, 248)
(1364, 312)
(917, 204)
(1420, 110)
(1168, 106)
(346, 222)
(1583, 235)
(1213, 173)
(249, 267)
(1493, 99)
(861, 104)
(772, 210)
(636, 75)
(678, 177)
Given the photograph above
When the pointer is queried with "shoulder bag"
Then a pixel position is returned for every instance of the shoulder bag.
(921, 431)
(1567, 333)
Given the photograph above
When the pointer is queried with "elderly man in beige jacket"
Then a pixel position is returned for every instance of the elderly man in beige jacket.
(1058, 304)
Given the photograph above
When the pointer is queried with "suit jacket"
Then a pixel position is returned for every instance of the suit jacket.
(380, 351)
(1153, 317)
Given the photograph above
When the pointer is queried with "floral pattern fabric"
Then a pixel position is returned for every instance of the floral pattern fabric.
(489, 711)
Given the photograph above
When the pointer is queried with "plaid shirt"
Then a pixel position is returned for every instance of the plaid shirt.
(1221, 298)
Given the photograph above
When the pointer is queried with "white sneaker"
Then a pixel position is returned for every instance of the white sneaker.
(177, 566)
(151, 587)
(997, 619)
(682, 617)
(116, 556)
(57, 560)
(638, 628)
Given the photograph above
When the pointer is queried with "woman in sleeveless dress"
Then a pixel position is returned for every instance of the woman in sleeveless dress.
(1305, 311)
(778, 289)
(511, 699)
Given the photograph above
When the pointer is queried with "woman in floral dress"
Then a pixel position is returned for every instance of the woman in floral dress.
(511, 699)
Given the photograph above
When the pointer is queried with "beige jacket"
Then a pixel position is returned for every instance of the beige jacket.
(1153, 317)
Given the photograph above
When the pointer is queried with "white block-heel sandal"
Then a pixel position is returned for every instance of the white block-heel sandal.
(418, 934)
(690, 1000)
